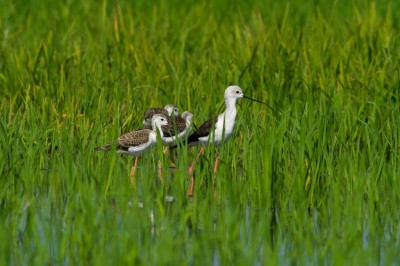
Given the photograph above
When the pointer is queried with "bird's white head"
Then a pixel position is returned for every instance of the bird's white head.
(158, 121)
(233, 92)
(188, 117)
(172, 110)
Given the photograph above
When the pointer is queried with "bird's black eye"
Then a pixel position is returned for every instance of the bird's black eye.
(237, 92)
(162, 119)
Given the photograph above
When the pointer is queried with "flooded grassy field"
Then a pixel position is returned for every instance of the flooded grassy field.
(312, 182)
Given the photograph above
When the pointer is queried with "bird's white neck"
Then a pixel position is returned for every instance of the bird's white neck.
(188, 122)
(230, 105)
(158, 127)
(229, 117)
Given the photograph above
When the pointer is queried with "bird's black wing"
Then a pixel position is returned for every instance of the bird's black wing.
(204, 130)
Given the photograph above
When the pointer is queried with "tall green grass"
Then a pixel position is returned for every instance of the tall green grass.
(314, 182)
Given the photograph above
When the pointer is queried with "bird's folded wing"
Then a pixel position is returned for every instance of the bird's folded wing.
(204, 130)
(134, 138)
(175, 124)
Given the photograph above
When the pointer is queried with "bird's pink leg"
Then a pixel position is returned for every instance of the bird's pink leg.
(190, 193)
(216, 164)
(193, 163)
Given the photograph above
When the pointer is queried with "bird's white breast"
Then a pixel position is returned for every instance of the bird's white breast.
(223, 129)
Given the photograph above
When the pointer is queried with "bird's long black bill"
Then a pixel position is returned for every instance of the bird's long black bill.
(254, 100)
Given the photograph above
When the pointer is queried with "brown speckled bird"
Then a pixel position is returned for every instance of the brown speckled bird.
(168, 110)
(138, 142)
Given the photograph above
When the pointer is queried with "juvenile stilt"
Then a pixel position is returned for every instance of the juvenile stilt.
(178, 128)
(168, 110)
(137, 142)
